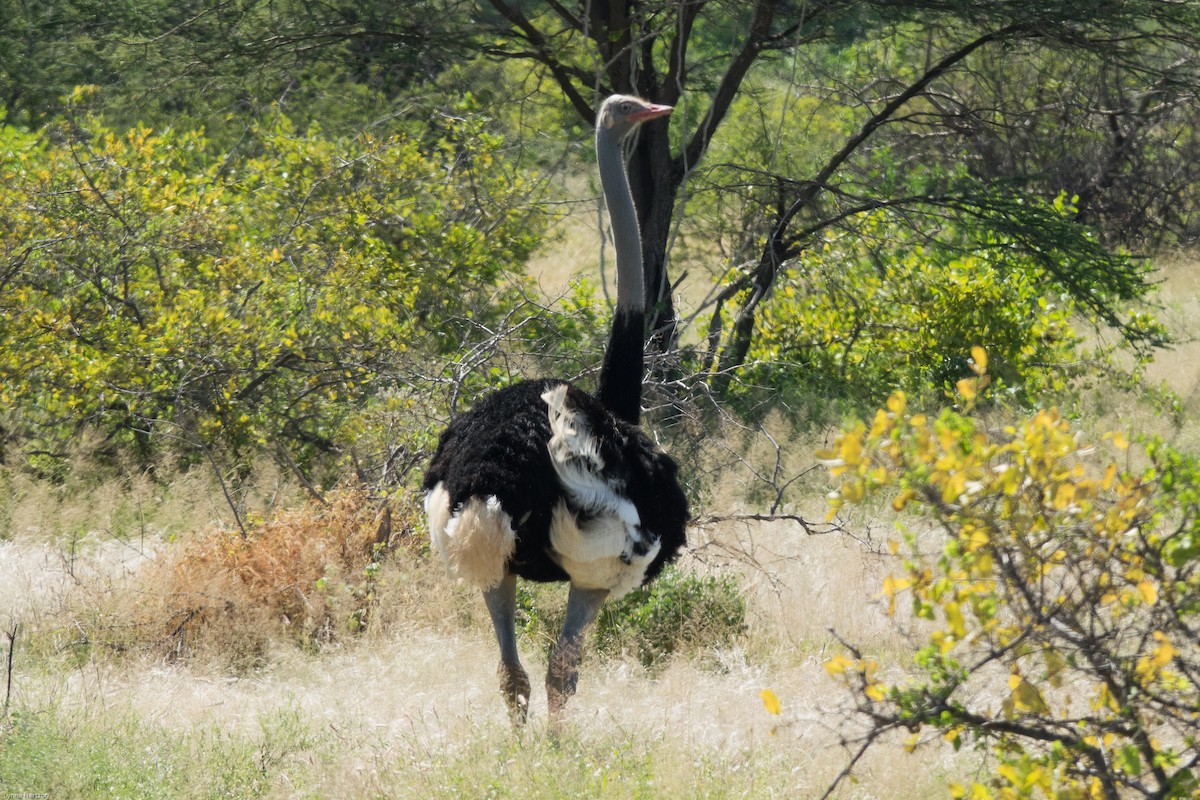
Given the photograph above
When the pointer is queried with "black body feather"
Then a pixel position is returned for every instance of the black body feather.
(499, 448)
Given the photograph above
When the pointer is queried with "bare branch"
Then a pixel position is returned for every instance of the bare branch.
(544, 53)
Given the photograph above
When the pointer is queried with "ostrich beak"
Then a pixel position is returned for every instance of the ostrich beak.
(652, 111)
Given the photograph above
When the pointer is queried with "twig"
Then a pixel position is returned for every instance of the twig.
(287, 459)
(811, 528)
(848, 770)
(12, 646)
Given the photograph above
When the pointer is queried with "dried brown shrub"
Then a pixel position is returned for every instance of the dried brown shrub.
(308, 575)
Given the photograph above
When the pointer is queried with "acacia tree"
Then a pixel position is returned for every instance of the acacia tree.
(222, 65)
(966, 101)
(1122, 139)
(665, 51)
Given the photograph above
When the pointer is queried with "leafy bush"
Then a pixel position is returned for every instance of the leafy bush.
(855, 323)
(1063, 625)
(679, 612)
(165, 293)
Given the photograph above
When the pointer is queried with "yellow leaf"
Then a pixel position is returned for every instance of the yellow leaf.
(852, 447)
(901, 502)
(1150, 666)
(979, 360)
(954, 487)
(893, 585)
(1064, 496)
(881, 425)
(1009, 773)
(954, 619)
(1025, 696)
(1119, 440)
(875, 692)
(771, 702)
(975, 540)
(834, 666)
(967, 388)
(1149, 592)
(1110, 475)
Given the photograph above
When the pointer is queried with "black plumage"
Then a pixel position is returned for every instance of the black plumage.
(499, 448)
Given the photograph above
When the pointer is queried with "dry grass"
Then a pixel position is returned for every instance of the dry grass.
(310, 575)
(1179, 368)
(410, 707)
(416, 713)
(1175, 369)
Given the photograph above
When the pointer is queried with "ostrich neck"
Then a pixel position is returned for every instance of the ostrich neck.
(620, 388)
(627, 240)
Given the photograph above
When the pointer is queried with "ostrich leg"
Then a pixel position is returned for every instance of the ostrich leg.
(514, 682)
(582, 607)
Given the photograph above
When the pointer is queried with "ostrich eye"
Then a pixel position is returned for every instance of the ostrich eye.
(626, 108)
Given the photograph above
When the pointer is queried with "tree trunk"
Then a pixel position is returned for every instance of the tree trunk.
(654, 187)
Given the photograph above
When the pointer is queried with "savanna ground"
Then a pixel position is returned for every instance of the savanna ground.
(138, 670)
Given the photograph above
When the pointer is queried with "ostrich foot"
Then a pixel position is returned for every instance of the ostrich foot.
(514, 685)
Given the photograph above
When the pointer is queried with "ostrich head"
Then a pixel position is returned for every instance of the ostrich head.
(622, 113)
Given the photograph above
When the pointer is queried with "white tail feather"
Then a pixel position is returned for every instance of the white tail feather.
(599, 553)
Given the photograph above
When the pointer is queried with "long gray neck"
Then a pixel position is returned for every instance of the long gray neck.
(622, 215)
(620, 385)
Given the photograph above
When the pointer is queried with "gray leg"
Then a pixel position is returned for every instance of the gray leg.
(514, 682)
(582, 607)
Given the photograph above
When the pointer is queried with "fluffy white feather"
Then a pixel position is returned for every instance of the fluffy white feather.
(475, 543)
(575, 454)
(598, 553)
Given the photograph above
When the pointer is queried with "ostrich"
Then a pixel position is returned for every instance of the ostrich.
(543, 481)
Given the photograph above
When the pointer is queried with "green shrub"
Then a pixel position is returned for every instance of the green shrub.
(168, 295)
(859, 325)
(681, 612)
(1070, 569)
